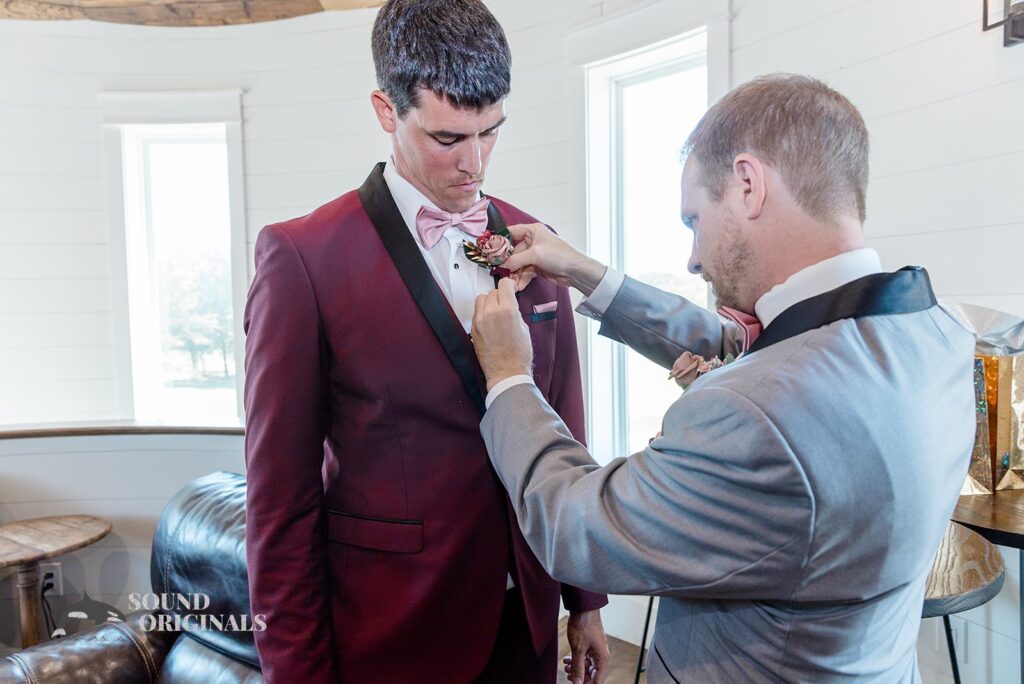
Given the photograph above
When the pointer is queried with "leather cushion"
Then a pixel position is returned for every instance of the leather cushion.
(199, 548)
(111, 653)
(190, 662)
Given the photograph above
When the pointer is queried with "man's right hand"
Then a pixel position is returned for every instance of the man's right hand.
(539, 251)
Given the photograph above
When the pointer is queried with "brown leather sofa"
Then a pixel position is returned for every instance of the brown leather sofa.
(198, 549)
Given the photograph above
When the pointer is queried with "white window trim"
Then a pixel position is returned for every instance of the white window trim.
(638, 30)
(171, 107)
(635, 29)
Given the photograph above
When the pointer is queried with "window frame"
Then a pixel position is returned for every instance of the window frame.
(123, 108)
(612, 47)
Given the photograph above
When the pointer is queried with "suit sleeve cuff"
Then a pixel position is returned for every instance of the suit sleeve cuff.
(580, 601)
(601, 298)
(504, 385)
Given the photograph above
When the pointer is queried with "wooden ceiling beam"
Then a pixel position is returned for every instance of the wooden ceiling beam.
(174, 12)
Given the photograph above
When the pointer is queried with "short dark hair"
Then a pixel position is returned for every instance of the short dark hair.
(454, 48)
(811, 134)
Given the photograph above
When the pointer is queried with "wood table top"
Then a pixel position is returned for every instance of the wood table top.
(998, 517)
(967, 572)
(37, 539)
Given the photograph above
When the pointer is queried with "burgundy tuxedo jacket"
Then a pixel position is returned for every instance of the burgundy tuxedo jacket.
(378, 536)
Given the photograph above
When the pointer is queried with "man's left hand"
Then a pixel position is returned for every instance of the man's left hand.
(500, 336)
(588, 663)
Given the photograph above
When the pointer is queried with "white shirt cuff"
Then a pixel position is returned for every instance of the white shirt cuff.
(601, 298)
(504, 385)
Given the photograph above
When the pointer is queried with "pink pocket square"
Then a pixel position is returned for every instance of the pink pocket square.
(545, 308)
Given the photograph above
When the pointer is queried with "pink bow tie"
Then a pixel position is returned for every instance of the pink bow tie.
(431, 223)
(750, 326)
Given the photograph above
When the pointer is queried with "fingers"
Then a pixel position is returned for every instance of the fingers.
(519, 260)
(523, 277)
(525, 237)
(478, 312)
(578, 665)
(506, 293)
(599, 674)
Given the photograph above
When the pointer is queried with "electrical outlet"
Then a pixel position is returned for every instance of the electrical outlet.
(57, 579)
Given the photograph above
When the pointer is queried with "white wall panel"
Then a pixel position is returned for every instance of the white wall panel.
(46, 227)
(54, 295)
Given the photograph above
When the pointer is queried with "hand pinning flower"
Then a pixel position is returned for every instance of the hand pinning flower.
(688, 367)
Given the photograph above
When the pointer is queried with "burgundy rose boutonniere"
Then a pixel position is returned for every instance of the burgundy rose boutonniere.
(490, 250)
(688, 367)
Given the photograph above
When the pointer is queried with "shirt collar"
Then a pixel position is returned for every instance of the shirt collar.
(816, 279)
(407, 197)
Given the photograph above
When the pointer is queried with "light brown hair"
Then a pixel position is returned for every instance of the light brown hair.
(813, 136)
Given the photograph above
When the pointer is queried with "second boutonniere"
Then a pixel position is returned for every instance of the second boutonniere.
(688, 367)
(490, 250)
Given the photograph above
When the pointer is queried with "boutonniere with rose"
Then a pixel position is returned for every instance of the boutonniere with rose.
(688, 367)
(490, 250)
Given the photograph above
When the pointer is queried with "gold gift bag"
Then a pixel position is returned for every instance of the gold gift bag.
(1008, 441)
(980, 479)
(999, 397)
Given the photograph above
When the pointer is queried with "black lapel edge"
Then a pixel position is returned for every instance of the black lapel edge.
(906, 291)
(495, 223)
(401, 247)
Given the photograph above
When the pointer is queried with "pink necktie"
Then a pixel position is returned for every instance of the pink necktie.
(750, 326)
(431, 223)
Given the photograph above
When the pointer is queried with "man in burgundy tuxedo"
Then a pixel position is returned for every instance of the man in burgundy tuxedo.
(381, 545)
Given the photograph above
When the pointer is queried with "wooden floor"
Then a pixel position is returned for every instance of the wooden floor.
(624, 655)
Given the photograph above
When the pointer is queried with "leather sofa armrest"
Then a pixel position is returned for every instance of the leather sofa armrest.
(111, 653)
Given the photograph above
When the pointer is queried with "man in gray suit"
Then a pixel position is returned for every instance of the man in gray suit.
(790, 510)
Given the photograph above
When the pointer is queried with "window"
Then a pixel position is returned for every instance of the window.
(641, 108)
(183, 250)
(178, 239)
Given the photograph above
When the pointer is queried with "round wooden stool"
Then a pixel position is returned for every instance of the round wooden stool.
(967, 572)
(26, 542)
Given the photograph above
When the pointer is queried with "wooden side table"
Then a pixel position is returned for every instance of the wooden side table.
(26, 542)
(998, 517)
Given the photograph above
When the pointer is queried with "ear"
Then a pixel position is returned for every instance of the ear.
(385, 110)
(752, 176)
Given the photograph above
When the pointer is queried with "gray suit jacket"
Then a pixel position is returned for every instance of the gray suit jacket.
(789, 514)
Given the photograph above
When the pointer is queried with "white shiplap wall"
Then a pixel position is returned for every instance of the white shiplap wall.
(943, 102)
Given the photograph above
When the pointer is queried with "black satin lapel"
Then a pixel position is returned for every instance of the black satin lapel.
(905, 291)
(495, 223)
(408, 259)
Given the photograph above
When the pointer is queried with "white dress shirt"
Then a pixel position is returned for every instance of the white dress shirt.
(816, 279)
(459, 278)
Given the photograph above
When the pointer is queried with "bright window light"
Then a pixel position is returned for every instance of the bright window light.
(641, 107)
(657, 113)
(178, 243)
